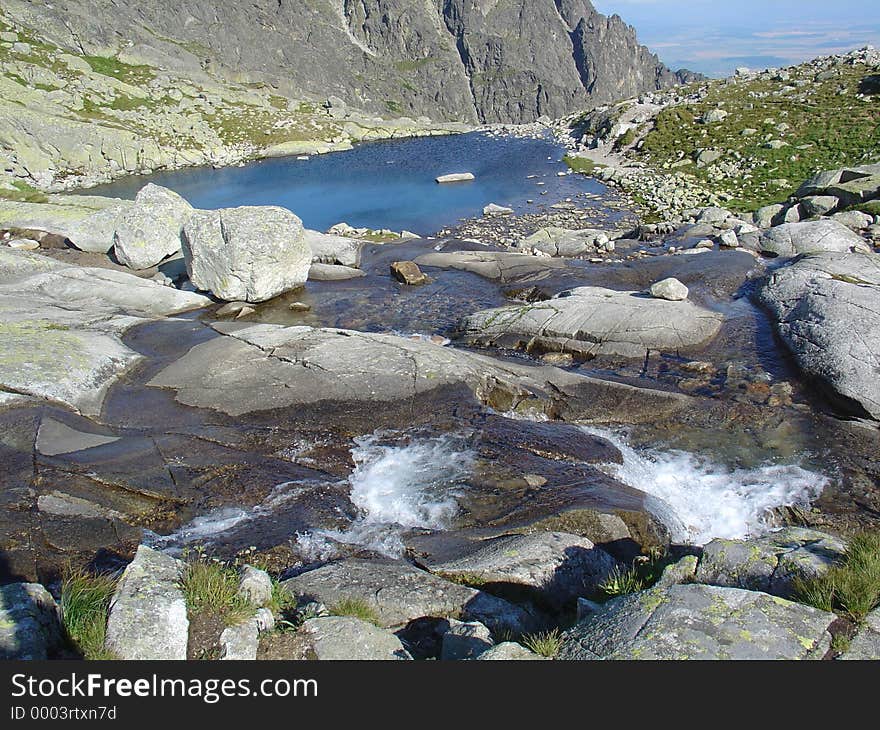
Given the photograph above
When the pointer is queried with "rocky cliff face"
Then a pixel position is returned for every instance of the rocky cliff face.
(465, 60)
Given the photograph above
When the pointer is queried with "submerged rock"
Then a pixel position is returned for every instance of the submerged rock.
(591, 321)
(148, 618)
(248, 254)
(700, 622)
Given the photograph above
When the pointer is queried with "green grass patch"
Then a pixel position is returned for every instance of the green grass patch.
(583, 165)
(24, 193)
(356, 608)
(546, 643)
(645, 571)
(210, 586)
(110, 66)
(85, 602)
(851, 588)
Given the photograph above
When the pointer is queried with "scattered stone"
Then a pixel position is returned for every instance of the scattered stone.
(148, 618)
(729, 239)
(255, 586)
(866, 644)
(671, 290)
(496, 210)
(462, 641)
(344, 638)
(409, 273)
(509, 651)
(24, 244)
(456, 177)
(241, 641)
(684, 571)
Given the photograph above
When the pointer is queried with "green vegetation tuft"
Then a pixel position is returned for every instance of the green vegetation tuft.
(583, 165)
(85, 602)
(356, 608)
(546, 643)
(645, 571)
(210, 586)
(23, 193)
(851, 588)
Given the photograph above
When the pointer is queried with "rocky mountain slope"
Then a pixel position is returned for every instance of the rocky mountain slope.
(457, 60)
(745, 142)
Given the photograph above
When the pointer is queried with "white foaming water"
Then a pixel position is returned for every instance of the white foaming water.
(206, 527)
(699, 500)
(402, 487)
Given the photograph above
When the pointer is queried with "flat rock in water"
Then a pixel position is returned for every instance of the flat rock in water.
(456, 177)
(30, 626)
(564, 242)
(825, 235)
(345, 638)
(261, 367)
(148, 618)
(556, 566)
(333, 272)
(55, 438)
(399, 593)
(591, 321)
(506, 267)
(61, 326)
(330, 249)
(700, 622)
(827, 313)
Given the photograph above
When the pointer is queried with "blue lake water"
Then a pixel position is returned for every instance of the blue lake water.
(388, 184)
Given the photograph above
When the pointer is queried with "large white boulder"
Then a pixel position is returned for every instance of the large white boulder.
(149, 230)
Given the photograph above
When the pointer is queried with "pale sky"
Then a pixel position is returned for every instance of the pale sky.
(715, 37)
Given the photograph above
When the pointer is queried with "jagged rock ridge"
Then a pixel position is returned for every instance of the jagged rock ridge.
(467, 60)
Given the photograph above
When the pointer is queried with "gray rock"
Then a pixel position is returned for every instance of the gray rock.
(455, 177)
(409, 273)
(506, 267)
(794, 239)
(672, 290)
(343, 638)
(771, 563)
(819, 205)
(62, 326)
(260, 367)
(248, 254)
(866, 644)
(856, 191)
(826, 312)
(714, 116)
(255, 586)
(55, 438)
(767, 216)
(240, 642)
(594, 321)
(700, 622)
(684, 571)
(149, 231)
(462, 641)
(855, 220)
(494, 209)
(333, 272)
(564, 242)
(329, 249)
(507, 652)
(399, 593)
(30, 626)
(559, 566)
(148, 618)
